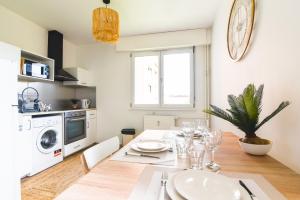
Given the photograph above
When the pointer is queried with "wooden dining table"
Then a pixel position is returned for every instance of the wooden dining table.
(115, 180)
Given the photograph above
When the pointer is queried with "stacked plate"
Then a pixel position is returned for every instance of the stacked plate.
(196, 136)
(195, 185)
(150, 146)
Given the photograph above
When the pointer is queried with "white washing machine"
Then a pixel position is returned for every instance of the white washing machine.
(47, 142)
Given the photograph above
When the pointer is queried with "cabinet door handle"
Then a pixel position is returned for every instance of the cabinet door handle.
(88, 125)
(158, 123)
(29, 127)
(76, 146)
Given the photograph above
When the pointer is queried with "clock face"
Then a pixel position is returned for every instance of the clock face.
(240, 27)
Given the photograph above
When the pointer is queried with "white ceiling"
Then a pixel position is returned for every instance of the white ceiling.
(73, 17)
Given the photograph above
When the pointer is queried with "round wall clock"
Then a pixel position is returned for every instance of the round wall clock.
(240, 27)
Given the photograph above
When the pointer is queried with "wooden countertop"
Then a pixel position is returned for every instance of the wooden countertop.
(114, 180)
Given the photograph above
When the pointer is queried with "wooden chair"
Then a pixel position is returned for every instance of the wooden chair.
(97, 153)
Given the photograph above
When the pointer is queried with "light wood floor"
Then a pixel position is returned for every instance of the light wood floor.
(51, 182)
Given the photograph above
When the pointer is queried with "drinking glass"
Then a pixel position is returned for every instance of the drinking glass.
(196, 155)
(212, 141)
(181, 147)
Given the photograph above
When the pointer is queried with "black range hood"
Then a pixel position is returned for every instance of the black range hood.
(55, 51)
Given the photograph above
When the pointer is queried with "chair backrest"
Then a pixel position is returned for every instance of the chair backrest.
(97, 153)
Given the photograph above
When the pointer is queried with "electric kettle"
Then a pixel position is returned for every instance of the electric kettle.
(85, 103)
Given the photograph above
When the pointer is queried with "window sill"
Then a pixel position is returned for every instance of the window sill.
(162, 109)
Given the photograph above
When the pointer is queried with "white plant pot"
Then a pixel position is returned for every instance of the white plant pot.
(256, 149)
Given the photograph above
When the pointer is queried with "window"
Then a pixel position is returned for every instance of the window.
(163, 79)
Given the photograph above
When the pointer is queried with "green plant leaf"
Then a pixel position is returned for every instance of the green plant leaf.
(218, 112)
(250, 103)
(239, 112)
(258, 97)
(245, 109)
(279, 108)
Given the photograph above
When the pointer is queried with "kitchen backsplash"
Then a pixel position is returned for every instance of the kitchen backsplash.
(58, 95)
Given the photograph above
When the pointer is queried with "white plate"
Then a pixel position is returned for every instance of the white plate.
(151, 145)
(195, 185)
(171, 189)
(136, 148)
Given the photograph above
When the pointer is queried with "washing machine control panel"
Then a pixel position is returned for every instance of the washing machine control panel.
(46, 121)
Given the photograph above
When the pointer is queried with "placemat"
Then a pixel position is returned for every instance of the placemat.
(166, 158)
(148, 186)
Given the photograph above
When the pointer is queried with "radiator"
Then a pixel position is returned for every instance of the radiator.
(159, 122)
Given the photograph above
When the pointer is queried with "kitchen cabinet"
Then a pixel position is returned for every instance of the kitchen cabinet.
(84, 77)
(91, 132)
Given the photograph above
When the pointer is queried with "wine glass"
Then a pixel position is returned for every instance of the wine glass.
(201, 128)
(188, 129)
(212, 141)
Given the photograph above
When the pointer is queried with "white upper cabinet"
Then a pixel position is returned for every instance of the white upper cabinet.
(83, 76)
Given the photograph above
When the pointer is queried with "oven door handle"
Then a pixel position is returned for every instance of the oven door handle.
(77, 119)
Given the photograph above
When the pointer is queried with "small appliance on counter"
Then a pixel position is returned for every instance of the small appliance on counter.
(85, 103)
(29, 100)
(75, 103)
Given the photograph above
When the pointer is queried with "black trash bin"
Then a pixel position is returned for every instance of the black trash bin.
(128, 135)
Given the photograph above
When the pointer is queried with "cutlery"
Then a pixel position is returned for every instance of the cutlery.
(163, 162)
(253, 197)
(163, 191)
(170, 149)
(141, 155)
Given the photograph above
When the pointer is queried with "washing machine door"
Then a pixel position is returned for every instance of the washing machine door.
(47, 140)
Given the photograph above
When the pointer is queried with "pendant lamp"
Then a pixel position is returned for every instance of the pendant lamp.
(106, 24)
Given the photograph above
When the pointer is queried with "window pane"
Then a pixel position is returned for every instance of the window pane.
(146, 80)
(177, 78)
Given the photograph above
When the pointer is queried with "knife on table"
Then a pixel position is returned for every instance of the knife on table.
(141, 155)
(253, 197)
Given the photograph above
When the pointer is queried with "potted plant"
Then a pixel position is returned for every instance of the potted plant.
(244, 114)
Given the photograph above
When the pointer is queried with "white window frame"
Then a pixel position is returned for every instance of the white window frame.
(140, 54)
(161, 105)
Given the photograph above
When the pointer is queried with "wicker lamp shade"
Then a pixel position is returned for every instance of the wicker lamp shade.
(106, 25)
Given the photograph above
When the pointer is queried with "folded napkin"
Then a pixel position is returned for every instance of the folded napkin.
(154, 187)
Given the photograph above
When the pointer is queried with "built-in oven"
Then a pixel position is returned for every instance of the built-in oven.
(75, 126)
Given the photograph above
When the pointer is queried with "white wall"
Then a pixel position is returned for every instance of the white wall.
(29, 36)
(273, 60)
(175, 39)
(112, 70)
